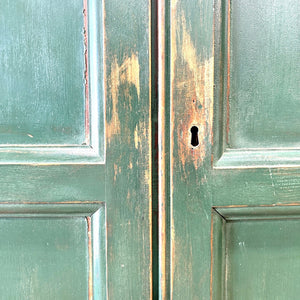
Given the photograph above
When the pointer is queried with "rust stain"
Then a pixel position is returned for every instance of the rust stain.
(193, 83)
(89, 232)
(86, 73)
(127, 72)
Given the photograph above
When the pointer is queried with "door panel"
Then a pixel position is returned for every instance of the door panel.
(231, 198)
(263, 82)
(263, 241)
(41, 44)
(75, 150)
(52, 93)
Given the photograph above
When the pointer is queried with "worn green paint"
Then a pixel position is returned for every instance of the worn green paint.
(128, 130)
(47, 115)
(41, 45)
(48, 250)
(230, 203)
(43, 258)
(264, 78)
(67, 178)
(267, 248)
(256, 240)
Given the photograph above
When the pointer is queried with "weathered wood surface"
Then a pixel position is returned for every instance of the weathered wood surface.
(128, 136)
(64, 63)
(189, 75)
(231, 71)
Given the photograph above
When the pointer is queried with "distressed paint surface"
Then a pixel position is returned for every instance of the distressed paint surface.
(193, 75)
(213, 175)
(127, 73)
(103, 252)
(128, 168)
(191, 101)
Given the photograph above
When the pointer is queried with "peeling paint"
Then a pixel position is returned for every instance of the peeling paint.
(127, 72)
(86, 73)
(193, 83)
(136, 138)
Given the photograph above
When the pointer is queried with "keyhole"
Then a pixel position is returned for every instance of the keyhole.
(194, 140)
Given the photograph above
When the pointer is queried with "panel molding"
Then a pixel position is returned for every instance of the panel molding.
(258, 158)
(92, 149)
(222, 220)
(95, 214)
(225, 157)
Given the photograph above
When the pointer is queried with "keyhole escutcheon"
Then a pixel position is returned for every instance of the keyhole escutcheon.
(194, 136)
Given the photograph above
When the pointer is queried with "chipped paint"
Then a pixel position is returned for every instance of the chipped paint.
(193, 84)
(115, 172)
(191, 88)
(86, 73)
(136, 138)
(128, 72)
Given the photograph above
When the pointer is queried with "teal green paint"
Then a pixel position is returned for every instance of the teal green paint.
(246, 158)
(47, 245)
(59, 183)
(63, 225)
(128, 160)
(43, 115)
(189, 200)
(95, 19)
(44, 258)
(262, 259)
(50, 182)
(262, 114)
(267, 212)
(257, 248)
(54, 170)
(155, 151)
(42, 63)
(98, 229)
(264, 77)
(218, 256)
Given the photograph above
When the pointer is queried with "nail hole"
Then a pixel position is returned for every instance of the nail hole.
(194, 134)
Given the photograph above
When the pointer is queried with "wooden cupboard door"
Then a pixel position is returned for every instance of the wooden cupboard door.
(229, 160)
(75, 207)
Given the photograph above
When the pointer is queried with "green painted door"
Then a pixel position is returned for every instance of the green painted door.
(75, 206)
(230, 149)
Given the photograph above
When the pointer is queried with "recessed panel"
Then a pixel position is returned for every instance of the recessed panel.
(44, 258)
(262, 260)
(255, 252)
(42, 63)
(263, 54)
